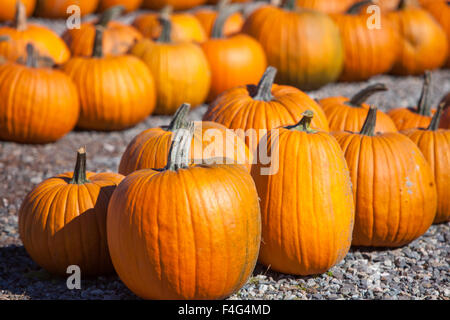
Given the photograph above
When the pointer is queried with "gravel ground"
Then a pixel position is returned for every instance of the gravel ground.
(419, 270)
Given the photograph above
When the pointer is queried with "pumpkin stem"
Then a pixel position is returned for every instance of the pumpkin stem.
(219, 23)
(97, 51)
(305, 123)
(222, 5)
(358, 99)
(368, 127)
(264, 89)
(434, 124)
(178, 157)
(424, 107)
(20, 19)
(32, 56)
(110, 14)
(289, 4)
(4, 38)
(356, 8)
(179, 118)
(166, 25)
(79, 173)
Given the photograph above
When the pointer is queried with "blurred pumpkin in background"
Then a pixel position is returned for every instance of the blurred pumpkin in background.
(57, 9)
(327, 6)
(8, 8)
(207, 16)
(176, 4)
(129, 5)
(445, 119)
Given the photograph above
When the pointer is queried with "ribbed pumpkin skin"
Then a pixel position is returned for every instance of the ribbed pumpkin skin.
(422, 42)
(37, 105)
(435, 146)
(393, 187)
(190, 234)
(307, 206)
(297, 57)
(149, 149)
(118, 38)
(407, 118)
(175, 4)
(185, 27)
(57, 9)
(236, 109)
(62, 224)
(234, 61)
(327, 6)
(129, 5)
(342, 117)
(207, 17)
(8, 8)
(186, 79)
(115, 92)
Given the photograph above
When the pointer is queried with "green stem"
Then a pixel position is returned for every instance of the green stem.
(97, 51)
(264, 89)
(368, 128)
(358, 99)
(110, 14)
(179, 118)
(304, 124)
(424, 107)
(289, 5)
(166, 30)
(79, 173)
(356, 8)
(434, 124)
(178, 157)
(219, 23)
(32, 56)
(20, 19)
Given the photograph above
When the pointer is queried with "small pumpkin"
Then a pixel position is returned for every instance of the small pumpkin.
(47, 42)
(435, 146)
(235, 60)
(176, 4)
(307, 203)
(445, 119)
(393, 186)
(118, 38)
(57, 9)
(263, 107)
(349, 114)
(211, 142)
(8, 8)
(185, 232)
(62, 221)
(305, 46)
(39, 104)
(326, 6)
(186, 78)
(116, 92)
(129, 5)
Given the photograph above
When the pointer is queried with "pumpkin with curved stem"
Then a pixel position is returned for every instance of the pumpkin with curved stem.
(305, 46)
(176, 4)
(185, 232)
(307, 203)
(62, 221)
(435, 146)
(395, 213)
(57, 9)
(129, 5)
(211, 140)
(39, 105)
(327, 6)
(422, 42)
(235, 60)
(263, 107)
(186, 78)
(445, 119)
(9, 7)
(118, 38)
(116, 92)
(47, 42)
(346, 114)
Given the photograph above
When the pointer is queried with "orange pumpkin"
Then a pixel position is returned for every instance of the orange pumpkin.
(176, 4)
(445, 119)
(118, 38)
(186, 78)
(435, 146)
(129, 5)
(422, 42)
(8, 8)
(235, 60)
(327, 6)
(346, 114)
(307, 203)
(57, 9)
(305, 46)
(263, 107)
(185, 232)
(116, 92)
(39, 105)
(393, 186)
(62, 221)
(211, 140)
(20, 33)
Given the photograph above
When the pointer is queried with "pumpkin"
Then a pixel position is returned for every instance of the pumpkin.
(235, 60)
(234, 1)
(129, 5)
(185, 26)
(57, 9)
(211, 140)
(116, 92)
(418, 117)
(47, 42)
(435, 146)
(8, 8)
(364, 46)
(62, 221)
(176, 4)
(445, 119)
(118, 38)
(349, 114)
(393, 186)
(305, 46)
(39, 105)
(327, 6)
(185, 232)
(252, 110)
(207, 16)
(186, 78)
(422, 42)
(307, 207)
